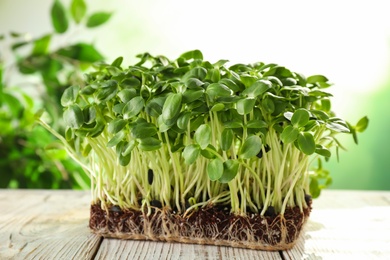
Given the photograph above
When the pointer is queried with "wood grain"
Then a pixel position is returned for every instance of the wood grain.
(37, 224)
(121, 249)
(45, 225)
(346, 225)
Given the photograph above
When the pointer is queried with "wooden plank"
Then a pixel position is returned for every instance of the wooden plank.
(36, 224)
(128, 249)
(45, 225)
(346, 225)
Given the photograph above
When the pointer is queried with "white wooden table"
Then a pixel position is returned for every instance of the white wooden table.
(52, 224)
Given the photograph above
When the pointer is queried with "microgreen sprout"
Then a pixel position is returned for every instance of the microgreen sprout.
(189, 133)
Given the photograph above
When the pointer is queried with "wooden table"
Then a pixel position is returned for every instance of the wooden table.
(52, 224)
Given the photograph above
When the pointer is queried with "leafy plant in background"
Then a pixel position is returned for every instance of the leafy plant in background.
(57, 63)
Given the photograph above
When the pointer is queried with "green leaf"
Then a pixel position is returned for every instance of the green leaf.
(41, 45)
(14, 105)
(154, 107)
(217, 107)
(133, 107)
(257, 88)
(171, 108)
(289, 134)
(194, 54)
(233, 124)
(268, 105)
(114, 71)
(116, 139)
(250, 147)
(86, 150)
(107, 93)
(191, 95)
(194, 83)
(203, 136)
(245, 106)
(316, 78)
(74, 116)
(126, 95)
(183, 120)
(69, 96)
(132, 83)
(215, 90)
(230, 84)
(81, 52)
(318, 93)
(98, 19)
(214, 75)
(209, 152)
(198, 73)
(326, 104)
(230, 170)
(279, 71)
(19, 44)
(143, 130)
(98, 129)
(117, 62)
(116, 125)
(196, 122)
(362, 124)
(89, 114)
(255, 123)
(320, 114)
(87, 90)
(226, 139)
(16, 34)
(322, 150)
(247, 80)
(78, 9)
(354, 134)
(58, 17)
(128, 147)
(118, 108)
(306, 143)
(150, 144)
(124, 160)
(215, 169)
(300, 117)
(310, 125)
(314, 189)
(337, 126)
(191, 153)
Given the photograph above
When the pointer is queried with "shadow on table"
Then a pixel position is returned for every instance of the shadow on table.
(299, 251)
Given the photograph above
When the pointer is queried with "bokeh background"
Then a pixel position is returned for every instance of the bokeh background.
(347, 41)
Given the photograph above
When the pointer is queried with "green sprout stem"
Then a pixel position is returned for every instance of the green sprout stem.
(177, 134)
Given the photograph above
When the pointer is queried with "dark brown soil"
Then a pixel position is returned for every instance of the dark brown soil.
(212, 225)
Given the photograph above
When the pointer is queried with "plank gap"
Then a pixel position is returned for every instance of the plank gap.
(97, 248)
(281, 255)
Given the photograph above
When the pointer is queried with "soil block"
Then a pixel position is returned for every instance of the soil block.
(208, 225)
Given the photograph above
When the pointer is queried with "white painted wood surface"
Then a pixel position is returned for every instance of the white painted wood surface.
(48, 224)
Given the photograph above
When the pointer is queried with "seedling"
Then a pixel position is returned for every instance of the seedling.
(199, 152)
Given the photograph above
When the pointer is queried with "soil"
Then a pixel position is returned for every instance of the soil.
(209, 225)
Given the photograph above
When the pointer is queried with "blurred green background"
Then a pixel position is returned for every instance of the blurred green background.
(348, 41)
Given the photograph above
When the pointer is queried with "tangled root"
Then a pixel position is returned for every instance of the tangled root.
(210, 225)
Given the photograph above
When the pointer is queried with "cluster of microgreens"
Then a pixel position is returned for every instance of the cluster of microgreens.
(189, 133)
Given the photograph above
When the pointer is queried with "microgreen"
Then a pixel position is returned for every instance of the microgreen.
(202, 129)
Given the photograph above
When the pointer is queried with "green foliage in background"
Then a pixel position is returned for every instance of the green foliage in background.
(367, 167)
(29, 157)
